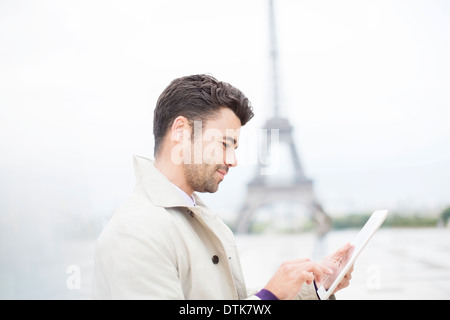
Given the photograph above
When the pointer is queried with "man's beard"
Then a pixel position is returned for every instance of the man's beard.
(202, 177)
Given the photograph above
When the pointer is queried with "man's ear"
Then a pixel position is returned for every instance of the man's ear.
(178, 129)
(180, 136)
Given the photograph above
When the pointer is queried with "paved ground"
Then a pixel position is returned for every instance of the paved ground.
(396, 264)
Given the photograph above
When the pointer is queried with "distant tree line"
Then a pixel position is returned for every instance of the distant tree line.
(445, 215)
(393, 220)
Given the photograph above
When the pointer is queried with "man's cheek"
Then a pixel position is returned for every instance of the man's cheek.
(213, 154)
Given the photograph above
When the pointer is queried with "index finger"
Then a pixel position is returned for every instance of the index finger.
(317, 268)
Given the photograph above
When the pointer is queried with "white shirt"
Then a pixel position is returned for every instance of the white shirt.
(190, 201)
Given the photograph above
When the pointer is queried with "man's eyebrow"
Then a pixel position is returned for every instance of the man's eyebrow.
(232, 140)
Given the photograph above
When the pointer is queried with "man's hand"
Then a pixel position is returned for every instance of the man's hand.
(291, 275)
(336, 262)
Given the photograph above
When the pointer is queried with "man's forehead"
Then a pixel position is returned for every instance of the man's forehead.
(212, 130)
(228, 127)
(229, 134)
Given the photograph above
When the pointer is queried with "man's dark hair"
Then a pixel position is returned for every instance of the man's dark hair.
(198, 98)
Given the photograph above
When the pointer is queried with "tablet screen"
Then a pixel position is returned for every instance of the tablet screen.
(375, 221)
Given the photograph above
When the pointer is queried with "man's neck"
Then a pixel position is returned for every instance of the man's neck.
(174, 173)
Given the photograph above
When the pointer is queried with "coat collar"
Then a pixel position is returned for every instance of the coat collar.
(157, 187)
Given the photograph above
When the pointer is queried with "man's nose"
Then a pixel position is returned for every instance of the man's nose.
(230, 159)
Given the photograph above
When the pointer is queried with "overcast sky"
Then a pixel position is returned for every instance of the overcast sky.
(364, 83)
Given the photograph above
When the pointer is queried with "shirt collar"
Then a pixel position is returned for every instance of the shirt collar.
(190, 201)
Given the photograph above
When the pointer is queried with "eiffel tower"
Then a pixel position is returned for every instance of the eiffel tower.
(261, 192)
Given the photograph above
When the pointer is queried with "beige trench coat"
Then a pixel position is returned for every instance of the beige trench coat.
(156, 247)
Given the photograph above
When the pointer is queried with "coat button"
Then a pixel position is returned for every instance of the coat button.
(215, 259)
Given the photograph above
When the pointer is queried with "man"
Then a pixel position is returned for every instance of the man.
(164, 242)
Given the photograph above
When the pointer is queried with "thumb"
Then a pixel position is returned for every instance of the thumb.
(343, 250)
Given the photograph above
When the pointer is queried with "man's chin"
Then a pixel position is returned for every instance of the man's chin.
(209, 189)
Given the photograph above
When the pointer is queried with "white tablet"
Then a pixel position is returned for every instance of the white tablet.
(375, 221)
